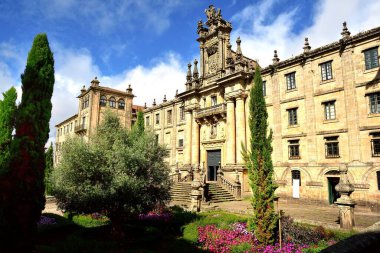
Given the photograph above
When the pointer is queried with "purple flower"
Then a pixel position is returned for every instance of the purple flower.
(46, 221)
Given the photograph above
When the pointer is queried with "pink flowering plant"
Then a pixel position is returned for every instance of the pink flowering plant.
(237, 238)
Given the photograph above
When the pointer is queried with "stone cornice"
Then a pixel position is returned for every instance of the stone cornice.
(343, 130)
(67, 120)
(373, 33)
(292, 99)
(324, 92)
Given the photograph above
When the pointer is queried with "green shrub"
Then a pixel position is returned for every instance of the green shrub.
(244, 247)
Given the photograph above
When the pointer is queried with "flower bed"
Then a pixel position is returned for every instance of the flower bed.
(238, 239)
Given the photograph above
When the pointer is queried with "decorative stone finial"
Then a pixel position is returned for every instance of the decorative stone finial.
(306, 47)
(129, 90)
(239, 54)
(154, 102)
(345, 32)
(83, 90)
(164, 99)
(176, 92)
(188, 76)
(195, 70)
(95, 81)
(275, 57)
(145, 105)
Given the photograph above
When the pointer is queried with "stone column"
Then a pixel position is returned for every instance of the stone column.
(345, 203)
(195, 144)
(240, 129)
(187, 144)
(231, 141)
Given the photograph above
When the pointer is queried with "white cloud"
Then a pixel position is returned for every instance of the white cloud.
(261, 38)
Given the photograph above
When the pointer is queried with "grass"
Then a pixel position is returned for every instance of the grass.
(82, 233)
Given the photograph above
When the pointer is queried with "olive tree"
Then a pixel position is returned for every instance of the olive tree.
(117, 172)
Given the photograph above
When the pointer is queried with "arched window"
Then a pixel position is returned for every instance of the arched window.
(103, 100)
(121, 104)
(112, 101)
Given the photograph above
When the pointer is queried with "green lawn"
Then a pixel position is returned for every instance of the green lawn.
(81, 233)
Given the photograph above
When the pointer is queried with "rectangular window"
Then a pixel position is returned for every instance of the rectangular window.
(329, 110)
(332, 147)
(213, 101)
(375, 144)
(182, 113)
(374, 102)
(169, 116)
(378, 179)
(264, 88)
(326, 71)
(294, 149)
(147, 121)
(83, 121)
(157, 118)
(371, 58)
(180, 143)
(291, 81)
(292, 115)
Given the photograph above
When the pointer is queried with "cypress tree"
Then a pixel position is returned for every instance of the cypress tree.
(140, 122)
(23, 191)
(7, 115)
(48, 168)
(260, 167)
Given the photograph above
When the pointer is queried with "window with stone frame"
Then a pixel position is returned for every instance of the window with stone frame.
(214, 100)
(181, 113)
(374, 102)
(326, 71)
(291, 81)
(169, 117)
(157, 118)
(294, 149)
(292, 116)
(371, 58)
(375, 144)
(121, 104)
(112, 102)
(329, 108)
(103, 100)
(296, 174)
(85, 102)
(264, 88)
(147, 121)
(332, 147)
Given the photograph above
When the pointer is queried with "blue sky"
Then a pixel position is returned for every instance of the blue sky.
(147, 43)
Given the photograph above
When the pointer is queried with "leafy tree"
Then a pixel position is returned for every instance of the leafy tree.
(22, 191)
(260, 167)
(48, 168)
(7, 116)
(116, 172)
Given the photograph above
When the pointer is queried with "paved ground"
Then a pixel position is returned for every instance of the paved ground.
(308, 213)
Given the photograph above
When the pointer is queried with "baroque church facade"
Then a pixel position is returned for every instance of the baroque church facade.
(323, 107)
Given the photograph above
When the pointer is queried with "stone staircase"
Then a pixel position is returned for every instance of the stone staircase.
(219, 194)
(180, 193)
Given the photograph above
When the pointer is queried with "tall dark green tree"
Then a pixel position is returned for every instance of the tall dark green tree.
(260, 166)
(139, 127)
(22, 189)
(48, 168)
(7, 118)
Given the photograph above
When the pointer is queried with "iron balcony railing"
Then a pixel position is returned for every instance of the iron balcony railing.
(210, 111)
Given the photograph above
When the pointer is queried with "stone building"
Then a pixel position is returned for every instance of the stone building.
(92, 102)
(323, 106)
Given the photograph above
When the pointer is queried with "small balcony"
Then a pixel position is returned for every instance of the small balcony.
(215, 110)
(80, 128)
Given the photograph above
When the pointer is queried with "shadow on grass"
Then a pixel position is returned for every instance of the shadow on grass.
(141, 236)
(359, 243)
